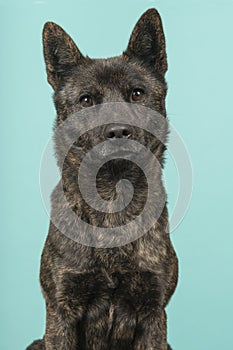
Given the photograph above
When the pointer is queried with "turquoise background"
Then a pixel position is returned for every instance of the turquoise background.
(200, 51)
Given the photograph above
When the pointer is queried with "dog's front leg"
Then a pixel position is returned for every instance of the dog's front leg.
(61, 333)
(151, 332)
(123, 326)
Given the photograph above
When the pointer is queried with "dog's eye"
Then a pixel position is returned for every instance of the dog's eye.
(86, 101)
(137, 95)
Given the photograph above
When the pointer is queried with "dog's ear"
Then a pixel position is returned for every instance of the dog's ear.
(60, 53)
(147, 42)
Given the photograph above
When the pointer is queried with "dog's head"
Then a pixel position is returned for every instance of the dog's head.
(136, 77)
(125, 86)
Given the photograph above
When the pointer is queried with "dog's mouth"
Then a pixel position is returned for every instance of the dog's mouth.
(120, 157)
(118, 154)
(117, 149)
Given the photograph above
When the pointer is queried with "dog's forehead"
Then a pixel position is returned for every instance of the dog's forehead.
(112, 73)
(115, 70)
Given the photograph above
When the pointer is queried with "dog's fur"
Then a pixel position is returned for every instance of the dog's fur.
(107, 298)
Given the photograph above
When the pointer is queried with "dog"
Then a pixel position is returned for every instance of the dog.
(102, 298)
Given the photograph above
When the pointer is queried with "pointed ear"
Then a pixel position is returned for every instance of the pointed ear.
(60, 53)
(147, 42)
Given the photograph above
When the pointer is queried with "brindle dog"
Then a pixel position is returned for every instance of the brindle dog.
(107, 298)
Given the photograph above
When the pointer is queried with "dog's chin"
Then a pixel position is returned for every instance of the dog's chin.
(118, 168)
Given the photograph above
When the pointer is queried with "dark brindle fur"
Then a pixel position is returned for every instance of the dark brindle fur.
(107, 298)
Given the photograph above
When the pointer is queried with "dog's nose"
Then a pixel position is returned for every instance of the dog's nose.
(113, 131)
